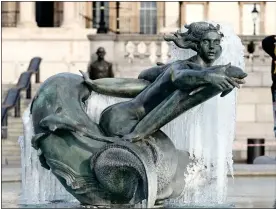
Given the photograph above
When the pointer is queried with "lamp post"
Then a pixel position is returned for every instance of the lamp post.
(102, 28)
(255, 15)
(180, 14)
(117, 17)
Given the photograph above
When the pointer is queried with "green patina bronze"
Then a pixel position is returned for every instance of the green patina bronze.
(126, 159)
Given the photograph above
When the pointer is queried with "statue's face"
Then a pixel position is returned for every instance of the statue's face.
(101, 53)
(209, 47)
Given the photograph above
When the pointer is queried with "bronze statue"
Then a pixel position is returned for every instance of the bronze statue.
(126, 158)
(100, 68)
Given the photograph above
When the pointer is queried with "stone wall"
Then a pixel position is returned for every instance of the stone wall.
(62, 50)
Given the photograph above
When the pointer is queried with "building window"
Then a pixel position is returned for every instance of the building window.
(9, 14)
(49, 13)
(148, 17)
(97, 7)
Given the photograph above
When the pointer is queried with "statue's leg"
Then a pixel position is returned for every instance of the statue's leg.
(160, 115)
(174, 105)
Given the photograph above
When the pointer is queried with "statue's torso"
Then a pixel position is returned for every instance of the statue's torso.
(100, 69)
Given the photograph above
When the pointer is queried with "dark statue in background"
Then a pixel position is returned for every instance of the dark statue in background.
(126, 158)
(100, 68)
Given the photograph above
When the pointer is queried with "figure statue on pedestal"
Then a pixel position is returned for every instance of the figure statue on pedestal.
(100, 68)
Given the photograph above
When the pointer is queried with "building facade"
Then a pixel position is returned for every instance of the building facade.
(139, 17)
(65, 35)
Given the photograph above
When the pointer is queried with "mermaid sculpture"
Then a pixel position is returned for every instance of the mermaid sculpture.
(126, 158)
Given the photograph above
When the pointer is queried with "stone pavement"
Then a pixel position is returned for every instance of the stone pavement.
(243, 192)
(253, 186)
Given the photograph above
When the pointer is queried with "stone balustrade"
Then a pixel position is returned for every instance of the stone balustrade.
(142, 51)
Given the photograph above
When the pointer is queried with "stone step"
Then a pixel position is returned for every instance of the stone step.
(6, 87)
(12, 120)
(11, 160)
(10, 148)
(15, 130)
(15, 123)
(15, 134)
(9, 141)
(22, 92)
(12, 151)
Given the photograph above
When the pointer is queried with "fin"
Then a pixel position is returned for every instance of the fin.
(36, 140)
(54, 122)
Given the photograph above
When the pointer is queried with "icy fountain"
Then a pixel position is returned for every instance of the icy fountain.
(206, 131)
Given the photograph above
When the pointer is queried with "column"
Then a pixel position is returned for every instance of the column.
(160, 15)
(89, 13)
(182, 14)
(27, 14)
(112, 15)
(136, 20)
(171, 18)
(262, 17)
(73, 15)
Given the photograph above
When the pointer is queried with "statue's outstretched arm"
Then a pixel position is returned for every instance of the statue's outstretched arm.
(188, 78)
(152, 73)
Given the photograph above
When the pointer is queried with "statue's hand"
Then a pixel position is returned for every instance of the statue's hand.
(131, 138)
(218, 78)
(237, 80)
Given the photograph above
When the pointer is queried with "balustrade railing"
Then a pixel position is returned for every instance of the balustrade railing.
(13, 98)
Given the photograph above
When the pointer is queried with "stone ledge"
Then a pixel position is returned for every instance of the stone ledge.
(125, 37)
(44, 34)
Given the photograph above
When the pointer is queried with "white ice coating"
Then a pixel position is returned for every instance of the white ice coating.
(39, 186)
(206, 131)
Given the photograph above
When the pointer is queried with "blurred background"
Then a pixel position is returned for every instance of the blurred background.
(48, 37)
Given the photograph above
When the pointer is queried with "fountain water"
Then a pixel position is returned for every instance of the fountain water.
(206, 131)
(39, 186)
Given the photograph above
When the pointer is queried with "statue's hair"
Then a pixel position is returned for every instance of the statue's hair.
(195, 32)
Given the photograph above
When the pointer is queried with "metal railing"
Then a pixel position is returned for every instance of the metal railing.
(12, 99)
